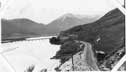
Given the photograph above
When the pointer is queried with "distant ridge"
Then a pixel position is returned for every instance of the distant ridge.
(67, 21)
(23, 27)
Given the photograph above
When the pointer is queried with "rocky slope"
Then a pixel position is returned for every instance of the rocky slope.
(84, 60)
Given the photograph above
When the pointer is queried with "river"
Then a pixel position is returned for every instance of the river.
(22, 54)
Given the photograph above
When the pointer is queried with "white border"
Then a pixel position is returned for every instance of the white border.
(116, 67)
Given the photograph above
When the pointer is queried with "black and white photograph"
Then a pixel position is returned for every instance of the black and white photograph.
(62, 35)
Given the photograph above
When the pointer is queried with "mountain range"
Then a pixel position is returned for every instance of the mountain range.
(68, 21)
(23, 27)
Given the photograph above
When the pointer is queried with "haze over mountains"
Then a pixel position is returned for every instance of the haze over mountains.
(22, 27)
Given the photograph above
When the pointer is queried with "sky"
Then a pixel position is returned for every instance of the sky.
(45, 11)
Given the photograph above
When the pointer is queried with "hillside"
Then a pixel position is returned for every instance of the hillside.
(17, 28)
(106, 36)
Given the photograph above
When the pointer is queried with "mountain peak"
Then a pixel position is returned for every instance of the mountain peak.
(68, 15)
(78, 16)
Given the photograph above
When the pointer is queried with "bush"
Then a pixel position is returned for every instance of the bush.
(54, 40)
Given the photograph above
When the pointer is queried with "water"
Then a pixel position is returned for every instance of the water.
(23, 54)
